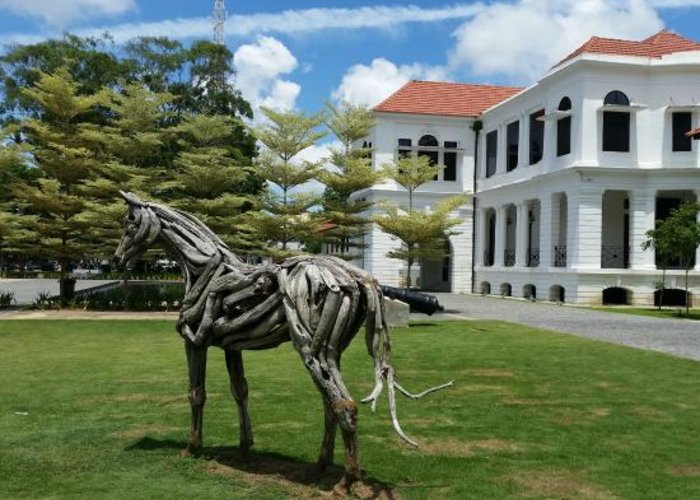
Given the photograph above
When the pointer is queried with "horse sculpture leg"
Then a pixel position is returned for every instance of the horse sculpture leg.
(338, 401)
(197, 367)
(239, 391)
(328, 444)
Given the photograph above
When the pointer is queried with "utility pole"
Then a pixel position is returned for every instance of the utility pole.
(220, 39)
(219, 22)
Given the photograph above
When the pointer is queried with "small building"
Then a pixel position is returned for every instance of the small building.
(568, 174)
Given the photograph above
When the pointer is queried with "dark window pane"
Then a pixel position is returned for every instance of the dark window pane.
(433, 157)
(616, 98)
(450, 145)
(564, 136)
(564, 104)
(616, 131)
(450, 172)
(681, 125)
(512, 142)
(428, 140)
(491, 152)
(404, 153)
(405, 142)
(536, 137)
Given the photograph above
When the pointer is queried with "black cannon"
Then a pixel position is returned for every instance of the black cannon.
(419, 302)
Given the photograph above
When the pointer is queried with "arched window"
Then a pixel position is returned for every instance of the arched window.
(564, 104)
(428, 140)
(432, 142)
(616, 124)
(616, 98)
(564, 128)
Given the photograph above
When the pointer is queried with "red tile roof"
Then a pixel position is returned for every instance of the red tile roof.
(446, 99)
(662, 43)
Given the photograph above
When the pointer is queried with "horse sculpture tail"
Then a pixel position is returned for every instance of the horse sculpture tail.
(379, 347)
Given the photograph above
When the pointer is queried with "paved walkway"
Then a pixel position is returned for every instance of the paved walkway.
(672, 336)
(27, 290)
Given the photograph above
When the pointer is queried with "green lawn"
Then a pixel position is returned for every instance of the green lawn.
(665, 312)
(532, 415)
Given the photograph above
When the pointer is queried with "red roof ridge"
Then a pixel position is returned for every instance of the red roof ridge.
(659, 44)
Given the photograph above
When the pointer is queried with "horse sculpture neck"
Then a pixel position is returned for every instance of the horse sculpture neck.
(193, 245)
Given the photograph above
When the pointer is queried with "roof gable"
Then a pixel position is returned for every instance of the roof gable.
(445, 99)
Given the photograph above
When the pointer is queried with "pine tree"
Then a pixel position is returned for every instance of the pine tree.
(422, 234)
(285, 217)
(353, 172)
(67, 156)
(208, 179)
(14, 238)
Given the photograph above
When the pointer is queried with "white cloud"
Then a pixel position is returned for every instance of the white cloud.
(285, 22)
(259, 67)
(57, 13)
(369, 85)
(525, 38)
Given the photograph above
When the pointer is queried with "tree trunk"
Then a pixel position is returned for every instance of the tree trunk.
(408, 274)
(687, 296)
(663, 287)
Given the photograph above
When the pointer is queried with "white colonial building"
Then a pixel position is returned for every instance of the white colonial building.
(568, 174)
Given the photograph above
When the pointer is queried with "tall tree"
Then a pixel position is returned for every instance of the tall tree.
(422, 234)
(65, 153)
(14, 238)
(352, 172)
(286, 217)
(90, 61)
(209, 178)
(677, 236)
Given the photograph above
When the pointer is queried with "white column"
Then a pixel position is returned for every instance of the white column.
(480, 237)
(642, 219)
(546, 238)
(500, 236)
(555, 225)
(521, 235)
(697, 252)
(524, 144)
(586, 216)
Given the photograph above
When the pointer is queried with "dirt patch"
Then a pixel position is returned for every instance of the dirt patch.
(573, 416)
(528, 402)
(457, 448)
(138, 397)
(472, 388)
(687, 470)
(426, 422)
(137, 432)
(652, 414)
(300, 481)
(487, 372)
(559, 484)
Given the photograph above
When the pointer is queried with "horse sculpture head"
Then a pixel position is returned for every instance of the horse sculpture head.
(141, 229)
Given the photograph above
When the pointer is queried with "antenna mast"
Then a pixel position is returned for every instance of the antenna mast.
(219, 22)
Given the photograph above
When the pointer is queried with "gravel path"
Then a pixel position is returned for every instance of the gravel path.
(672, 336)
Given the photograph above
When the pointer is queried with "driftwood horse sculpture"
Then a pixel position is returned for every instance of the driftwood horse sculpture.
(319, 303)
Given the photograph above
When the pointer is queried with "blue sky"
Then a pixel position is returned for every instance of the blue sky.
(297, 54)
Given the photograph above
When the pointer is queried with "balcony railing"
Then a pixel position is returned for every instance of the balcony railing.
(508, 257)
(533, 257)
(560, 256)
(614, 257)
(488, 258)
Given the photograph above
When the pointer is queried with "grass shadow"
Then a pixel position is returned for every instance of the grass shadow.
(273, 465)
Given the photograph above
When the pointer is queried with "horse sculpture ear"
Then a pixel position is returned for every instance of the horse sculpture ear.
(132, 199)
